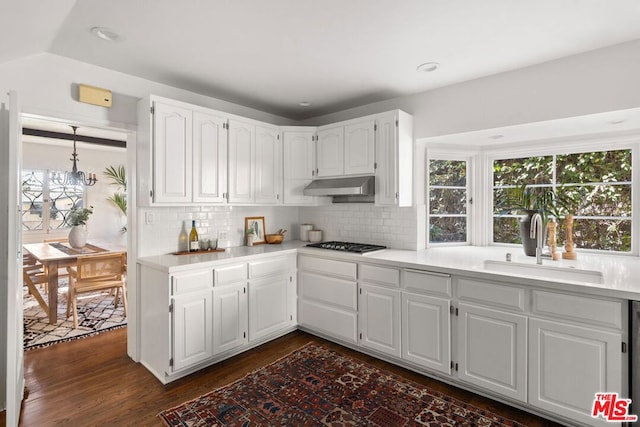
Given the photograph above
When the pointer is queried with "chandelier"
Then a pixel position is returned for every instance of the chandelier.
(74, 177)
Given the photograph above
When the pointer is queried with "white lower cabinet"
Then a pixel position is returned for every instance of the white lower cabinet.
(229, 317)
(576, 349)
(269, 306)
(492, 350)
(569, 364)
(426, 331)
(379, 319)
(191, 311)
(272, 296)
(197, 317)
(328, 300)
(191, 320)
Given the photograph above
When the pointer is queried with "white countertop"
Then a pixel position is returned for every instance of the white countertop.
(172, 263)
(620, 274)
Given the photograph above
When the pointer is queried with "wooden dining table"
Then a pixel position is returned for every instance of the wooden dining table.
(56, 255)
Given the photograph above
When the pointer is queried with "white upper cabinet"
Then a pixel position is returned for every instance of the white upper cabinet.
(209, 158)
(182, 154)
(241, 162)
(394, 159)
(268, 165)
(172, 154)
(359, 148)
(193, 155)
(299, 165)
(330, 151)
(346, 149)
(255, 164)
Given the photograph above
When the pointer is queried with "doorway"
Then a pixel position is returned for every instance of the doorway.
(48, 150)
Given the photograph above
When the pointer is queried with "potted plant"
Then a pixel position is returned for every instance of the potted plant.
(528, 201)
(78, 219)
(118, 177)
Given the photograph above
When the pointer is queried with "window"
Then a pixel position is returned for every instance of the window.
(447, 216)
(598, 183)
(46, 205)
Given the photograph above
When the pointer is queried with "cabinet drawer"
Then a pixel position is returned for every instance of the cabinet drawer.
(230, 274)
(381, 275)
(329, 320)
(270, 267)
(342, 293)
(502, 296)
(427, 282)
(580, 309)
(342, 269)
(190, 281)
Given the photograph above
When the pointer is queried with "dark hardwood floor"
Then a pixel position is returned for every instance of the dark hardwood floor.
(92, 382)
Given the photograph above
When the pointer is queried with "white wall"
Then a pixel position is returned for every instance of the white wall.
(106, 221)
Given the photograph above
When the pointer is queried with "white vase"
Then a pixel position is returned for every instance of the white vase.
(77, 236)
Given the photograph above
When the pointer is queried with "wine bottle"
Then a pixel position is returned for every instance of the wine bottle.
(194, 244)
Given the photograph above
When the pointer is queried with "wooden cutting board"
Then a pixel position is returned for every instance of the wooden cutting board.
(198, 253)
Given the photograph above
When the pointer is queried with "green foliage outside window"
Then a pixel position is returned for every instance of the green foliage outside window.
(447, 201)
(596, 188)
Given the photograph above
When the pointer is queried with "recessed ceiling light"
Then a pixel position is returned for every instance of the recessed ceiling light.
(304, 104)
(105, 33)
(428, 67)
(616, 122)
(498, 136)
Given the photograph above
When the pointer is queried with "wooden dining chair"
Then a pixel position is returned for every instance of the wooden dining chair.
(32, 276)
(96, 273)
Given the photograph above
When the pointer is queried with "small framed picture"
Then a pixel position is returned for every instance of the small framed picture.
(254, 225)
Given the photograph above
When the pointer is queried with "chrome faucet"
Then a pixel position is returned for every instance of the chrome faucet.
(537, 232)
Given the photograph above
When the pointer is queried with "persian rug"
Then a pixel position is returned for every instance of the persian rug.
(315, 386)
(96, 314)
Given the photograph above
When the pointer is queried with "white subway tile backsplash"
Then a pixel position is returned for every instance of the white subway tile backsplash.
(389, 226)
(393, 227)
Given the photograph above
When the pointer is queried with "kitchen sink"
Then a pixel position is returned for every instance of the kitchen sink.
(544, 271)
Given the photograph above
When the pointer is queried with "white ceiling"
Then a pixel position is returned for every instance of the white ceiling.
(335, 54)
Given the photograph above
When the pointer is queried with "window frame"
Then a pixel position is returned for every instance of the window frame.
(453, 155)
(46, 204)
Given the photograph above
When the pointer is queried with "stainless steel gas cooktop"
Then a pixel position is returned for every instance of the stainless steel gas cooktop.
(359, 248)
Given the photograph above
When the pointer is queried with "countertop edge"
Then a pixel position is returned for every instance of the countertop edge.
(419, 260)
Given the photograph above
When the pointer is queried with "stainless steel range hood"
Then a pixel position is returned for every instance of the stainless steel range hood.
(361, 186)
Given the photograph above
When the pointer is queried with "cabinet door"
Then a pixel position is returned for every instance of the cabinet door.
(299, 166)
(492, 350)
(569, 364)
(209, 158)
(426, 331)
(359, 148)
(172, 153)
(229, 317)
(386, 160)
(241, 162)
(268, 306)
(379, 319)
(394, 159)
(330, 152)
(268, 163)
(192, 334)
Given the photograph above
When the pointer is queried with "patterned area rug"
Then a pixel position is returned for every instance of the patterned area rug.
(316, 386)
(95, 314)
